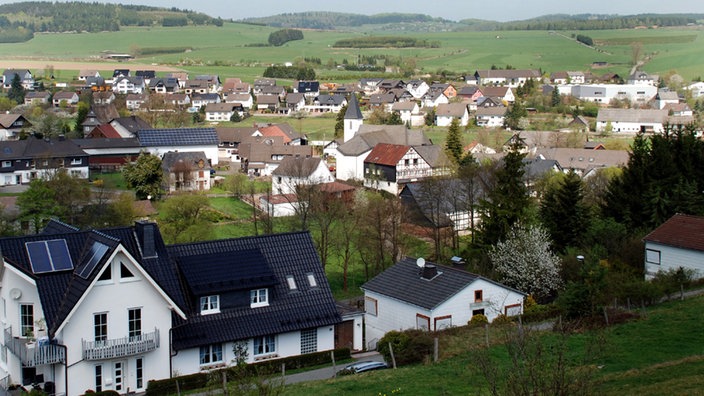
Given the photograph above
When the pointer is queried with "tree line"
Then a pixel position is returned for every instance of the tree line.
(283, 36)
(333, 20)
(385, 42)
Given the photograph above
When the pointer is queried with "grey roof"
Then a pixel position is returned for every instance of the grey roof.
(36, 148)
(434, 155)
(451, 110)
(353, 112)
(581, 159)
(177, 137)
(369, 136)
(403, 282)
(234, 134)
(100, 143)
(330, 100)
(132, 123)
(297, 166)
(491, 111)
(171, 158)
(632, 115)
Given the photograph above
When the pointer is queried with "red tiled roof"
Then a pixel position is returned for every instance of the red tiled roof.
(334, 187)
(105, 130)
(274, 130)
(387, 154)
(682, 231)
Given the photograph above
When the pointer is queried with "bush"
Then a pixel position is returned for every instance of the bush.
(501, 320)
(539, 313)
(410, 346)
(478, 320)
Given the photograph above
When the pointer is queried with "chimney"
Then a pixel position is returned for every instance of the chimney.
(146, 233)
(429, 271)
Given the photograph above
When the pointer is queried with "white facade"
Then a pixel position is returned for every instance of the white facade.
(392, 314)
(24, 176)
(287, 184)
(659, 257)
(211, 151)
(350, 167)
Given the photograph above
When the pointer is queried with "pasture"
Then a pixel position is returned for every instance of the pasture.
(228, 50)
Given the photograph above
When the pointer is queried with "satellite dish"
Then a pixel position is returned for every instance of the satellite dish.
(420, 262)
(15, 294)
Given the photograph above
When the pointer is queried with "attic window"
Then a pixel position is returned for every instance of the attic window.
(258, 298)
(125, 272)
(106, 275)
(209, 304)
(311, 280)
(291, 282)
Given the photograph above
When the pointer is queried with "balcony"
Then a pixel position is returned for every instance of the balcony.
(32, 354)
(120, 347)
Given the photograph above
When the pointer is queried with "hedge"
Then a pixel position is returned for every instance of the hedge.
(200, 380)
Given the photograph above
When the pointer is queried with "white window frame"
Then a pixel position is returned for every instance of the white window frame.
(211, 354)
(264, 346)
(134, 323)
(100, 328)
(312, 282)
(291, 282)
(653, 256)
(259, 298)
(26, 327)
(371, 306)
(210, 304)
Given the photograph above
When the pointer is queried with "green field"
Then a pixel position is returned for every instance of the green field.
(225, 50)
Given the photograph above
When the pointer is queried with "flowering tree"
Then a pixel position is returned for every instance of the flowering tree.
(526, 262)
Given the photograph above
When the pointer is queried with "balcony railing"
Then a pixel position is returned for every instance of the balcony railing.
(120, 347)
(33, 354)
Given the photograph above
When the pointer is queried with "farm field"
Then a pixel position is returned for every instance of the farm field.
(228, 50)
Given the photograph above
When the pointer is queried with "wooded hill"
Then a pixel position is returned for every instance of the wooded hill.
(19, 21)
(334, 20)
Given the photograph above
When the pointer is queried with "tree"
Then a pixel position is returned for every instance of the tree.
(514, 115)
(525, 261)
(145, 176)
(81, 114)
(453, 144)
(430, 117)
(507, 202)
(236, 117)
(563, 212)
(16, 92)
(340, 122)
(555, 98)
(183, 220)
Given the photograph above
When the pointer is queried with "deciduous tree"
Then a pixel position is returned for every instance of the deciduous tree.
(145, 176)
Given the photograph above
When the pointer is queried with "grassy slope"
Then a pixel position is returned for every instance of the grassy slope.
(459, 51)
(659, 354)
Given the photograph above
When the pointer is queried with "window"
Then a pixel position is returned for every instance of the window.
(76, 161)
(27, 320)
(258, 298)
(478, 296)
(415, 161)
(134, 323)
(210, 354)
(370, 306)
(100, 326)
(309, 341)
(264, 345)
(291, 282)
(6, 164)
(422, 322)
(106, 275)
(512, 310)
(140, 373)
(652, 256)
(209, 305)
(443, 322)
(98, 378)
(478, 312)
(125, 272)
(118, 376)
(311, 280)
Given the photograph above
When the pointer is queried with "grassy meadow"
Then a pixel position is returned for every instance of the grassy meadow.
(227, 50)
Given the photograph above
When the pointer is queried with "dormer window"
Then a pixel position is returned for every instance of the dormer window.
(209, 305)
(258, 298)
(291, 282)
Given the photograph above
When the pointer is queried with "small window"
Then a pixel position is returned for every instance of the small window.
(106, 275)
(125, 272)
(291, 282)
(264, 345)
(211, 354)
(26, 320)
(209, 305)
(443, 322)
(6, 164)
(311, 280)
(370, 306)
(478, 296)
(652, 256)
(258, 298)
(422, 322)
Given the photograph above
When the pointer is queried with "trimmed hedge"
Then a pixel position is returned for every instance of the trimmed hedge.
(200, 380)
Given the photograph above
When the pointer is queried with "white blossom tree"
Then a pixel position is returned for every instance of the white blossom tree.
(526, 261)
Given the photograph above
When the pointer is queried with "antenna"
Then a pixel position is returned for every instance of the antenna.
(420, 262)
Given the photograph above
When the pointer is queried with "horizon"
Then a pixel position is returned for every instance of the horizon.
(508, 10)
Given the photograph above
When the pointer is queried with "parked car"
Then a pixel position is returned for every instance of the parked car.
(360, 367)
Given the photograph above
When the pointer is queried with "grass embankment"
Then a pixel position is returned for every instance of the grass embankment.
(660, 353)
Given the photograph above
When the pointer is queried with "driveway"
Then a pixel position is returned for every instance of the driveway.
(329, 372)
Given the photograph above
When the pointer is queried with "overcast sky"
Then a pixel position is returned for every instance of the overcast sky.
(502, 10)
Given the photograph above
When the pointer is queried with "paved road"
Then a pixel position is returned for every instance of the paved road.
(329, 372)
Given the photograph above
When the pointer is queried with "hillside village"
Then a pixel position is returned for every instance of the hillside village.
(189, 307)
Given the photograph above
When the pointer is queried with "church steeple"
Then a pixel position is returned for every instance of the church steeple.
(353, 118)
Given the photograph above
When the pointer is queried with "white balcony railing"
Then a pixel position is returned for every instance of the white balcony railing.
(120, 347)
(33, 354)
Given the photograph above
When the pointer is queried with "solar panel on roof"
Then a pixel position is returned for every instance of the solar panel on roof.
(49, 256)
(97, 251)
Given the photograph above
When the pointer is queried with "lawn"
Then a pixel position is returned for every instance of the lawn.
(662, 353)
(459, 52)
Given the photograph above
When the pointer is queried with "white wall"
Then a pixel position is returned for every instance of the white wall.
(672, 258)
(350, 168)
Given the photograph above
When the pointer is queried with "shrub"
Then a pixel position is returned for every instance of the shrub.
(501, 320)
(478, 321)
(539, 313)
(410, 346)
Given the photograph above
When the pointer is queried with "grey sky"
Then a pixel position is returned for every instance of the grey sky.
(502, 10)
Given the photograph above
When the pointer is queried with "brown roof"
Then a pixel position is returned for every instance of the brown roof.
(106, 131)
(336, 186)
(387, 154)
(682, 231)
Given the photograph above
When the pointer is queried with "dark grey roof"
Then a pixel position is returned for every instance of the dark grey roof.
(36, 148)
(427, 208)
(190, 158)
(103, 143)
(353, 112)
(132, 123)
(403, 282)
(369, 136)
(297, 166)
(283, 254)
(177, 137)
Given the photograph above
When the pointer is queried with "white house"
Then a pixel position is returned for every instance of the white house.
(22, 161)
(697, 89)
(490, 117)
(643, 78)
(413, 294)
(186, 171)
(417, 88)
(297, 171)
(676, 243)
(445, 113)
(113, 309)
(409, 112)
(389, 167)
(509, 78)
(216, 112)
(605, 93)
(631, 120)
(129, 85)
